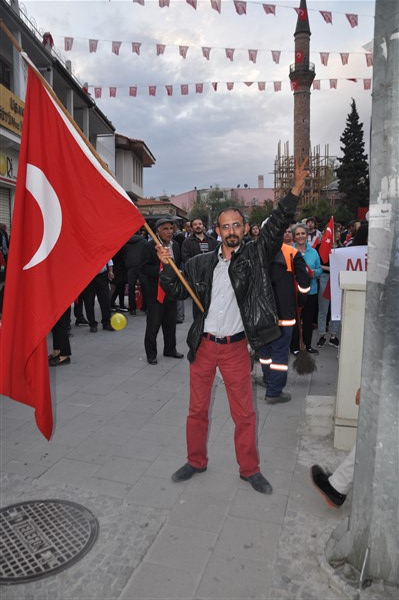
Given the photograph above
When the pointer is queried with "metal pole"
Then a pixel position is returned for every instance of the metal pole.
(369, 541)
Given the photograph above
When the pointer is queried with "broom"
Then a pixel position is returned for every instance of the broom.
(304, 363)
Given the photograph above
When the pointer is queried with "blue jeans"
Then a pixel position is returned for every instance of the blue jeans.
(324, 304)
(274, 361)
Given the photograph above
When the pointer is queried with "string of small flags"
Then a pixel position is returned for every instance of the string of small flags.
(206, 51)
(198, 88)
(269, 9)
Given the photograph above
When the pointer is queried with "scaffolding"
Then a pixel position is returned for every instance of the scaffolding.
(322, 174)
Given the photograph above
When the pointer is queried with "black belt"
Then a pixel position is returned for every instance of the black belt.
(237, 337)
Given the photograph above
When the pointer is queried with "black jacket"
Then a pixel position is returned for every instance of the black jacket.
(150, 266)
(133, 251)
(249, 275)
(191, 246)
(286, 276)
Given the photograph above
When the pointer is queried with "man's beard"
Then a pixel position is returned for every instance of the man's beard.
(233, 241)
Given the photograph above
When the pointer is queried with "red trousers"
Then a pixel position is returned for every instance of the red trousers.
(235, 366)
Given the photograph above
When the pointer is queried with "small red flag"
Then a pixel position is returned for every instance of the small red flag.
(64, 202)
(327, 241)
(160, 292)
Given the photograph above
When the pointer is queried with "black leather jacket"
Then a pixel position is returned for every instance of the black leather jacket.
(249, 275)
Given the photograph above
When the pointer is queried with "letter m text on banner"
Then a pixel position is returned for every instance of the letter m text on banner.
(70, 217)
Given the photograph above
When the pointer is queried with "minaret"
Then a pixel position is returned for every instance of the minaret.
(302, 73)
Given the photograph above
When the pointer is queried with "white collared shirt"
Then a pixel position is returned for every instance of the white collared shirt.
(224, 316)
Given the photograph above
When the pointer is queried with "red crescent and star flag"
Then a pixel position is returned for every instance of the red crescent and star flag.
(327, 241)
(70, 217)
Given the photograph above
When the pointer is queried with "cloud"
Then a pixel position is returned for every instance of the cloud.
(224, 137)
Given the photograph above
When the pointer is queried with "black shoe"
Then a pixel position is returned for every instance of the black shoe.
(152, 361)
(57, 361)
(282, 397)
(174, 354)
(123, 309)
(108, 327)
(93, 329)
(259, 483)
(312, 350)
(186, 472)
(334, 341)
(295, 352)
(322, 342)
(132, 312)
(81, 322)
(320, 481)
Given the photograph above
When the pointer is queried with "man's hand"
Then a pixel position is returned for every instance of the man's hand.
(300, 174)
(163, 254)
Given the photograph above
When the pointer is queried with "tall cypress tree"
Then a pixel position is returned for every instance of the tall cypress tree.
(353, 172)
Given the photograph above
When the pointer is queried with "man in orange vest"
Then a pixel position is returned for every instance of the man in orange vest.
(290, 281)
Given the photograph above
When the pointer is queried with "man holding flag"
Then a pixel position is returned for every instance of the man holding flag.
(64, 201)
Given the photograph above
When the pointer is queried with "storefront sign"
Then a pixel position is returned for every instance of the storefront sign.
(11, 111)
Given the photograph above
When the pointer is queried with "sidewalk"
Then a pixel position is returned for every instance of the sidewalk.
(120, 434)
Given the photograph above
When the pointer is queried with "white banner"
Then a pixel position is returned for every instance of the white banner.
(353, 258)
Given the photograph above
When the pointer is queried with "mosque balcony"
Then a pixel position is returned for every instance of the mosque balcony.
(302, 67)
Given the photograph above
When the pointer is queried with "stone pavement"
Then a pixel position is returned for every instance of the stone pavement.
(120, 434)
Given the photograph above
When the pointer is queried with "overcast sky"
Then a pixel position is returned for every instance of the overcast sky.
(217, 137)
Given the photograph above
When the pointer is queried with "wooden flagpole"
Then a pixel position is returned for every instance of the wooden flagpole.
(94, 152)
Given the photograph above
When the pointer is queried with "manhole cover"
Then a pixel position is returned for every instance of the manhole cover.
(42, 537)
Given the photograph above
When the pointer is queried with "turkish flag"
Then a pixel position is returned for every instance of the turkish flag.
(327, 241)
(70, 217)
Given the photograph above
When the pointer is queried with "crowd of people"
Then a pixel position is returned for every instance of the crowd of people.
(264, 286)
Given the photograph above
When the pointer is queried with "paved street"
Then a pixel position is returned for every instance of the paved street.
(120, 434)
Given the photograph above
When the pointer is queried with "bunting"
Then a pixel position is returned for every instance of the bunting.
(230, 53)
(252, 53)
(93, 45)
(68, 43)
(344, 58)
(230, 85)
(369, 60)
(353, 19)
(276, 56)
(324, 58)
(327, 16)
(270, 9)
(241, 7)
(116, 47)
